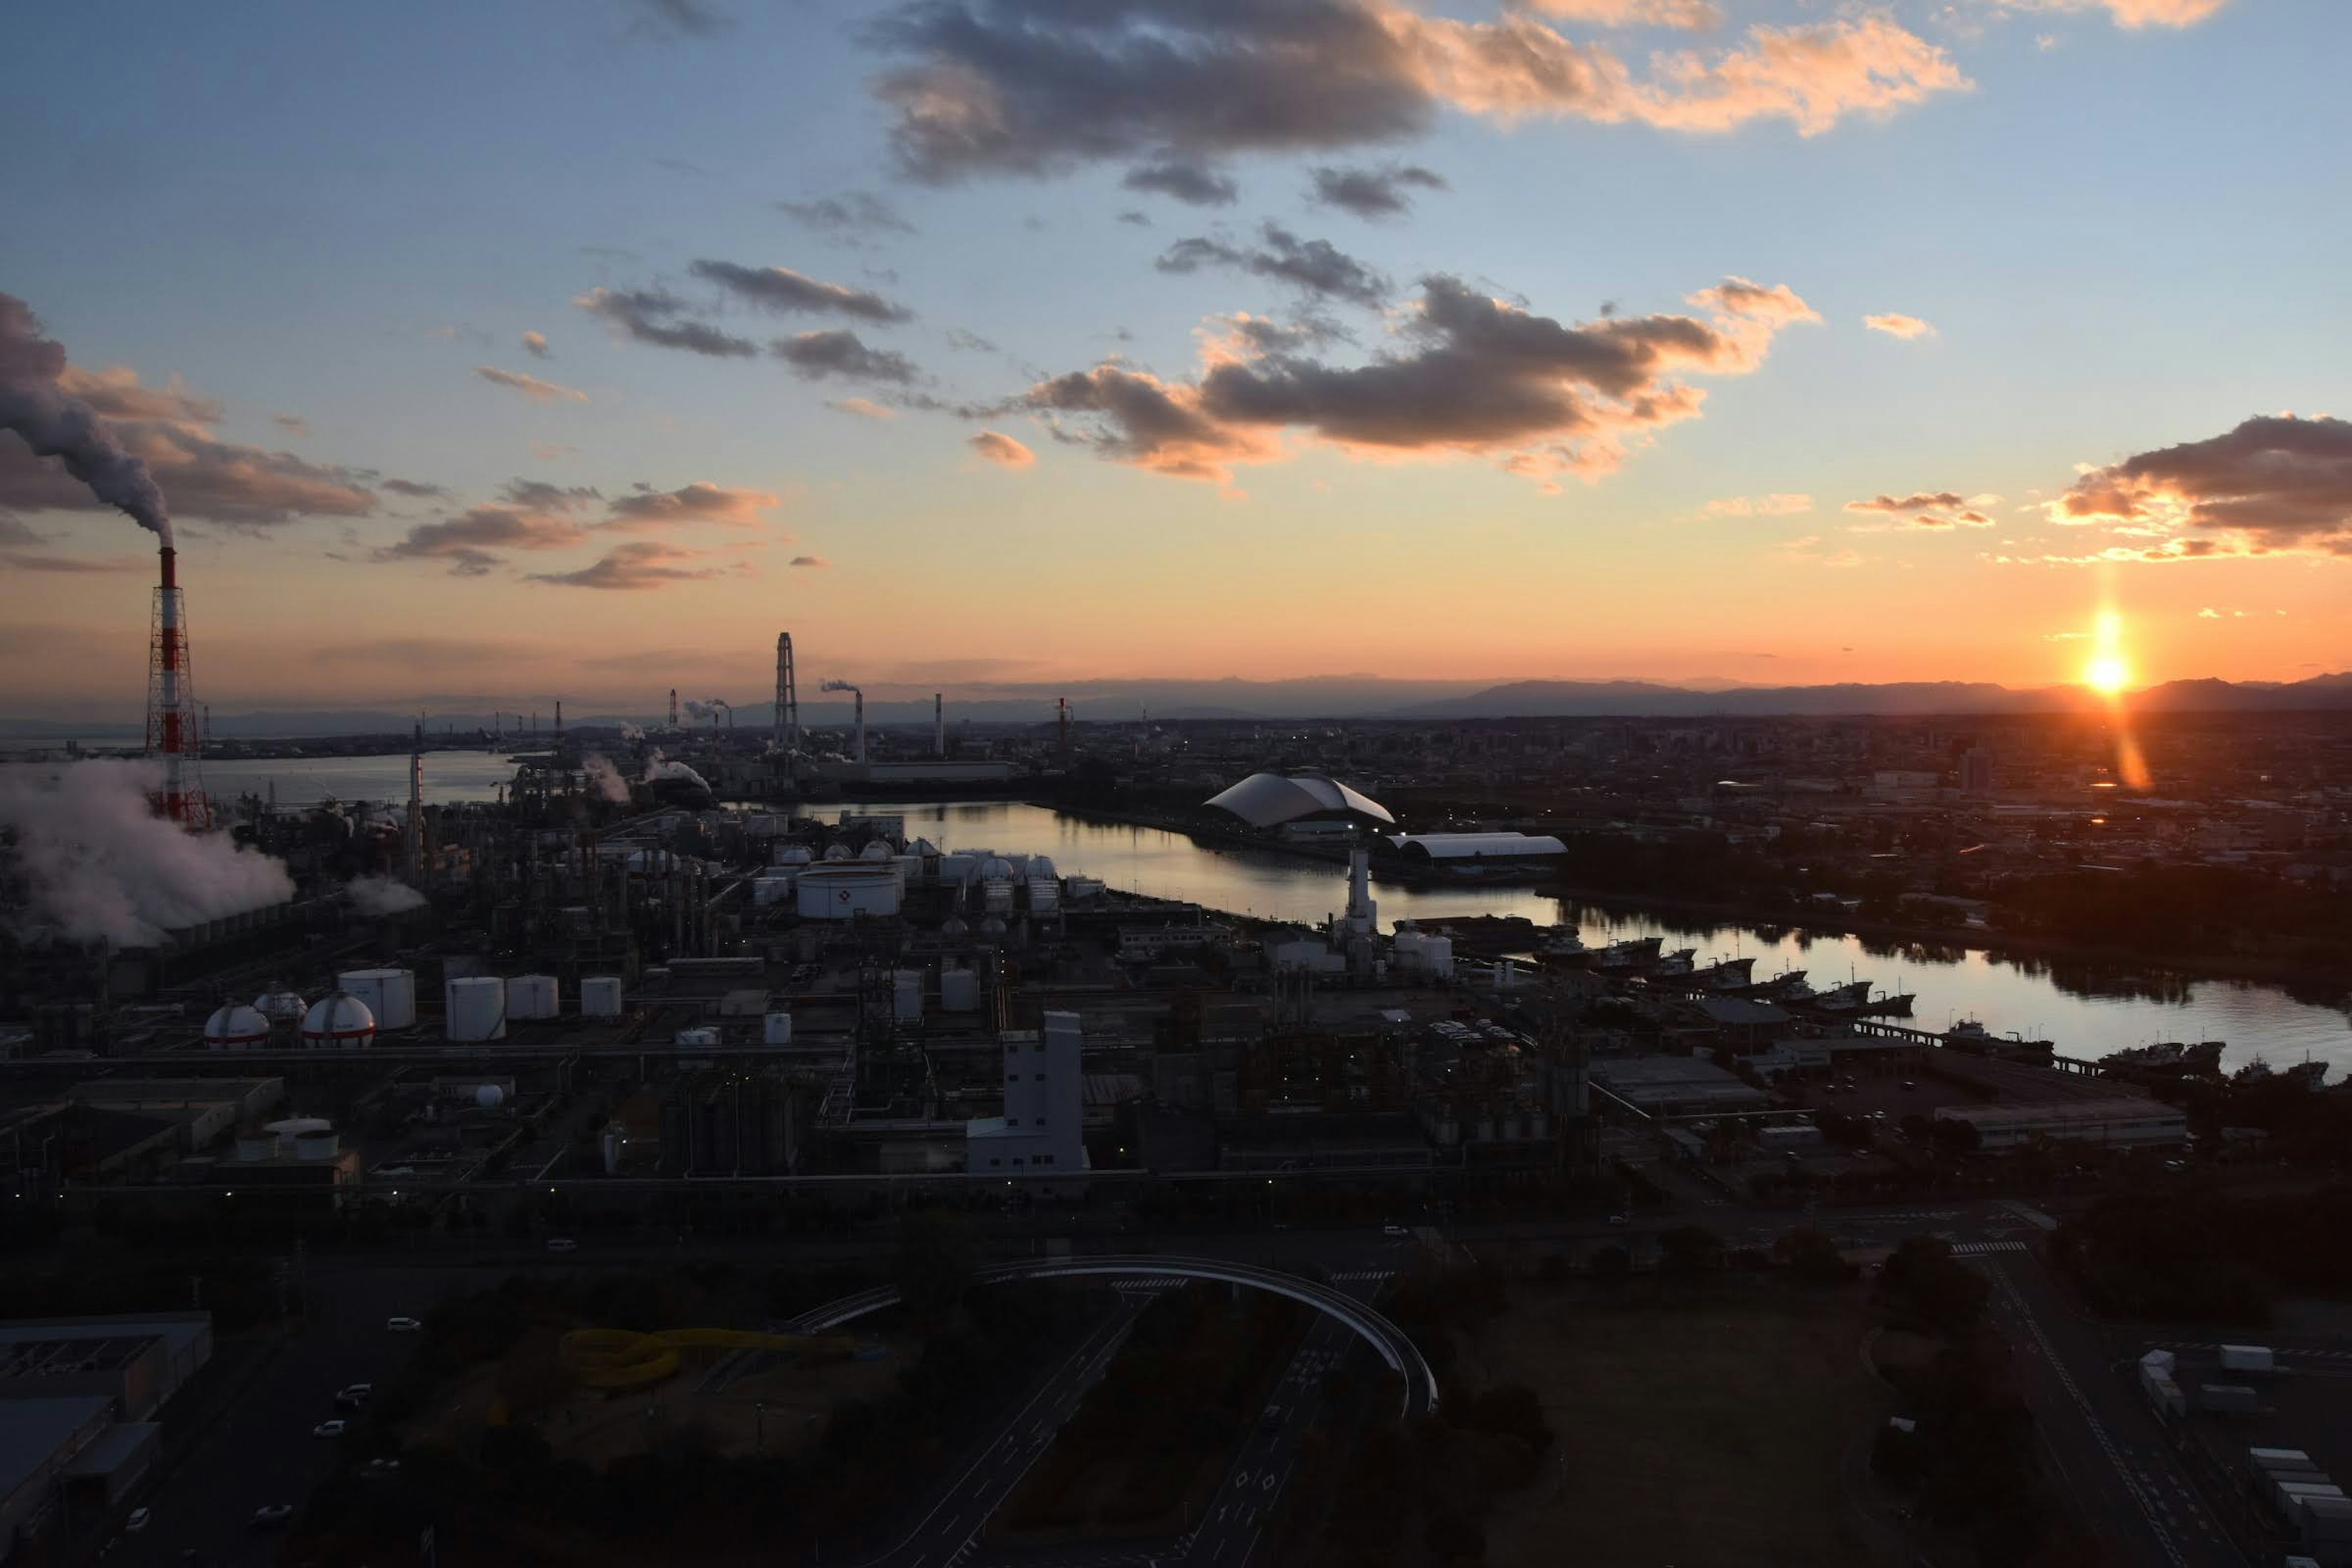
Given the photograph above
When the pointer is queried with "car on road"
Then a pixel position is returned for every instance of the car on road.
(1616, 1219)
(137, 1522)
(352, 1398)
(1393, 1230)
(1270, 1419)
(404, 1325)
(270, 1515)
(377, 1469)
(562, 1244)
(331, 1428)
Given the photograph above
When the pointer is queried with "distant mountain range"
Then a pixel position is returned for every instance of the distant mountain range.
(1320, 698)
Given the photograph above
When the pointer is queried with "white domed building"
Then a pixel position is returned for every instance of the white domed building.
(337, 1021)
(235, 1027)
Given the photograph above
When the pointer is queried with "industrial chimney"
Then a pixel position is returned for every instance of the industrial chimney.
(860, 697)
(170, 724)
(788, 701)
(938, 725)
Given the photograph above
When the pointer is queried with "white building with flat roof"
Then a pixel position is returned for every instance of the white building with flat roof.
(1042, 1130)
(2119, 1123)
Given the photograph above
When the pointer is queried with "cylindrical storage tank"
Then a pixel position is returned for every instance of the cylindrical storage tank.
(323, 1145)
(531, 997)
(996, 898)
(477, 1007)
(840, 892)
(339, 1021)
(778, 1030)
(906, 996)
(959, 991)
(1411, 949)
(1437, 956)
(1045, 895)
(792, 855)
(874, 850)
(390, 995)
(600, 997)
(1043, 866)
(235, 1027)
(256, 1143)
(611, 1142)
(705, 1038)
(836, 852)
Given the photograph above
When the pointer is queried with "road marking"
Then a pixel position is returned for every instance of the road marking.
(1984, 1248)
(2082, 1405)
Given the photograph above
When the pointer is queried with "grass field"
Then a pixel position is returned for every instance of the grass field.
(1706, 1431)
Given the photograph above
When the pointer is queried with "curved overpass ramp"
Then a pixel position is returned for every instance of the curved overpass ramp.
(1390, 1343)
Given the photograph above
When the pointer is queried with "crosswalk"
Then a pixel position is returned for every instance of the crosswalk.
(1984, 1248)
(1363, 1275)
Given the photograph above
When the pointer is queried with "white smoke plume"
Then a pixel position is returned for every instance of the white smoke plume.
(381, 895)
(659, 767)
(96, 862)
(55, 424)
(605, 778)
(698, 712)
(631, 733)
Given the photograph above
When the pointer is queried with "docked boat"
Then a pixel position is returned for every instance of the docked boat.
(1635, 952)
(2170, 1058)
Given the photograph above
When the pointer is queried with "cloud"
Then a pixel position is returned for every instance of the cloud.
(1760, 506)
(1896, 325)
(851, 214)
(529, 515)
(958, 338)
(1033, 87)
(548, 451)
(1194, 183)
(1315, 266)
(637, 566)
(2274, 483)
(292, 424)
(2133, 14)
(817, 560)
(2208, 614)
(412, 488)
(1372, 192)
(1002, 451)
(654, 315)
(1692, 15)
(1917, 501)
(530, 386)
(864, 407)
(815, 356)
(1135, 219)
(33, 561)
(535, 345)
(679, 19)
(782, 289)
(1474, 375)
(696, 502)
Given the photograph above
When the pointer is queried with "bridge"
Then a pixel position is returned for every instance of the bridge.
(1391, 1343)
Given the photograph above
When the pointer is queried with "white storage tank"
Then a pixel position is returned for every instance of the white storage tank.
(282, 1007)
(793, 857)
(1045, 895)
(1411, 949)
(531, 997)
(996, 898)
(476, 1007)
(337, 1021)
(959, 991)
(1437, 956)
(845, 891)
(906, 996)
(235, 1027)
(778, 1030)
(600, 997)
(390, 994)
(319, 1144)
(874, 852)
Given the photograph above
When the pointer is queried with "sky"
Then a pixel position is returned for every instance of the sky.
(490, 353)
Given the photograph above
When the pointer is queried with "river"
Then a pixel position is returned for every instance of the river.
(2086, 1012)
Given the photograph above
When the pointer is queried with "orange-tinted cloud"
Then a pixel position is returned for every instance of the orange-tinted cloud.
(635, 567)
(1758, 506)
(1002, 451)
(1896, 325)
(2274, 483)
(530, 386)
(697, 502)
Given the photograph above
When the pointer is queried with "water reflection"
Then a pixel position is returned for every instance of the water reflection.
(2086, 1009)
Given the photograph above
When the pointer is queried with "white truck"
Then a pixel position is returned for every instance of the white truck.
(2248, 1359)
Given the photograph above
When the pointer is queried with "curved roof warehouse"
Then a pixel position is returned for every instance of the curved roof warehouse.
(1271, 800)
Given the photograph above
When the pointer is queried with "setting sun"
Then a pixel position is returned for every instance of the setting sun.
(2108, 675)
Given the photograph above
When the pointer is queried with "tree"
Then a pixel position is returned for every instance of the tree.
(1812, 1257)
(1922, 1276)
(1690, 1249)
(1954, 1136)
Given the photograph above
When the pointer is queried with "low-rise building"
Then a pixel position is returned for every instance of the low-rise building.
(2118, 1124)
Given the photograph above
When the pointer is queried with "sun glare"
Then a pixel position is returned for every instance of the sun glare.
(2108, 675)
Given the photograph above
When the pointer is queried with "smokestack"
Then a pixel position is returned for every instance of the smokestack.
(788, 702)
(860, 698)
(559, 722)
(673, 707)
(413, 839)
(171, 726)
(939, 724)
(1064, 705)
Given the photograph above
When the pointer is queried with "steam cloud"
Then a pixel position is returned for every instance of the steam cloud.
(659, 767)
(97, 862)
(383, 895)
(57, 424)
(606, 779)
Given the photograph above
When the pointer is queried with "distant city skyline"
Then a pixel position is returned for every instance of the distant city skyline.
(582, 347)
